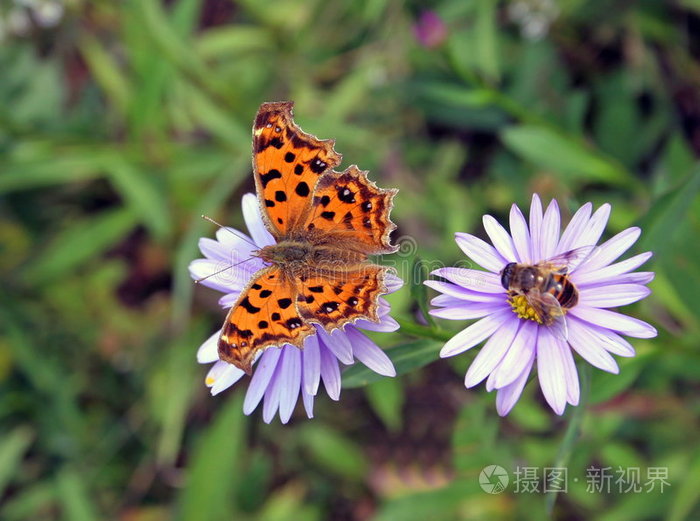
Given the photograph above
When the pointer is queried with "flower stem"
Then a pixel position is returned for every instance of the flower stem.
(411, 328)
(572, 434)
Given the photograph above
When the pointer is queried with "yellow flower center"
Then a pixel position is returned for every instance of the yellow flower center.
(524, 310)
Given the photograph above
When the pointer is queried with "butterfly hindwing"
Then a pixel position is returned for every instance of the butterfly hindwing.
(265, 315)
(350, 205)
(334, 299)
(288, 164)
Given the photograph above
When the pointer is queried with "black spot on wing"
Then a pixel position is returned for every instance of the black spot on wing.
(329, 307)
(272, 174)
(250, 308)
(302, 189)
(317, 166)
(280, 196)
(289, 157)
(346, 195)
(284, 303)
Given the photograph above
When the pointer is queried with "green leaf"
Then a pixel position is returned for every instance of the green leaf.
(386, 397)
(216, 467)
(76, 500)
(82, 241)
(547, 148)
(688, 494)
(106, 72)
(419, 291)
(138, 189)
(406, 357)
(333, 451)
(13, 446)
(661, 223)
(605, 386)
(444, 503)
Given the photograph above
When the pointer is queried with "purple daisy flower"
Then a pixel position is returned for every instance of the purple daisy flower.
(516, 338)
(281, 374)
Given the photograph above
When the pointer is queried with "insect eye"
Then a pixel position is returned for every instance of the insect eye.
(507, 275)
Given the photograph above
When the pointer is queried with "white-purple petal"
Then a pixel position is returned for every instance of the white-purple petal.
(594, 229)
(308, 399)
(550, 232)
(521, 352)
(464, 294)
(611, 272)
(273, 392)
(311, 364)
(475, 333)
(337, 342)
(611, 341)
(591, 349)
(610, 250)
(520, 234)
(474, 280)
(330, 373)
(612, 295)
(210, 274)
(386, 325)
(233, 239)
(480, 252)
(576, 227)
(615, 321)
(254, 221)
(392, 282)
(550, 370)
(536, 227)
(228, 300)
(507, 396)
(209, 351)
(573, 391)
(226, 379)
(290, 381)
(500, 238)
(468, 310)
(264, 370)
(492, 353)
(369, 353)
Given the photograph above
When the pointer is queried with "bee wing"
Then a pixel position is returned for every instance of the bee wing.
(550, 312)
(568, 261)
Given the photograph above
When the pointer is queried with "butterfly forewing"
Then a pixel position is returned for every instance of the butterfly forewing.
(288, 163)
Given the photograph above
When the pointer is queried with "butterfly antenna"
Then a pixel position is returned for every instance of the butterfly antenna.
(240, 236)
(222, 270)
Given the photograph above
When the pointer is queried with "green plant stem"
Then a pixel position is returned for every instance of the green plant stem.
(411, 328)
(572, 434)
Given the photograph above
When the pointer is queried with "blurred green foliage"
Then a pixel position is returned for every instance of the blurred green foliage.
(122, 122)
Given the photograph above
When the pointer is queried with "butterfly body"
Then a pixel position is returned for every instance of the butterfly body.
(325, 224)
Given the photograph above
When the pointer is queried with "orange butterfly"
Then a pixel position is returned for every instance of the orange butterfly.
(325, 224)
